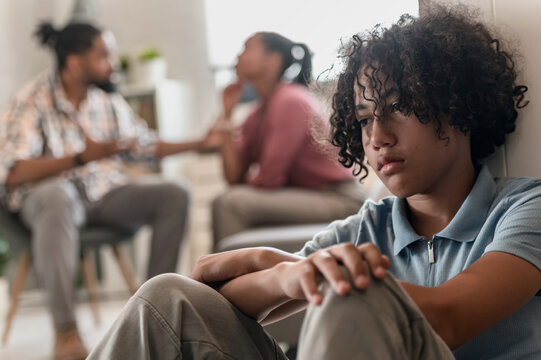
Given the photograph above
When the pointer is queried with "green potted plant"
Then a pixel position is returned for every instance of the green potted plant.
(151, 66)
(149, 54)
(5, 257)
(124, 69)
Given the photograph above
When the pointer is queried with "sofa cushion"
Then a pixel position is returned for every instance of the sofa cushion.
(290, 238)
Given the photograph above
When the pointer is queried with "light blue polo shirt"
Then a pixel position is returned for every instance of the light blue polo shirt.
(498, 215)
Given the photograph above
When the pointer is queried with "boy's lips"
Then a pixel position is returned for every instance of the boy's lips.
(389, 164)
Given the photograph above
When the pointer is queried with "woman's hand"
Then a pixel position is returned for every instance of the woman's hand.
(230, 97)
(299, 280)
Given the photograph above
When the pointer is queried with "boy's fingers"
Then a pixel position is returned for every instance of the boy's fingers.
(354, 263)
(327, 265)
(377, 263)
(309, 285)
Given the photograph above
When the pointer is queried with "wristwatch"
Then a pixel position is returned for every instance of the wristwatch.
(78, 159)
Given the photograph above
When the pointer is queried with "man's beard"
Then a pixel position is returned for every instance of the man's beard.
(107, 86)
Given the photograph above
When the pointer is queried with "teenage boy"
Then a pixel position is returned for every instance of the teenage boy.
(449, 267)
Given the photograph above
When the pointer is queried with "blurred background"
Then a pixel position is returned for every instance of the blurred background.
(193, 45)
(198, 39)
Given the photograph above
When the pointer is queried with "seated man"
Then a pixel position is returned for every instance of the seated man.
(449, 267)
(279, 172)
(62, 140)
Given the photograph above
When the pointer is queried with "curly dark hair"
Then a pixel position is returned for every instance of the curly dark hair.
(445, 65)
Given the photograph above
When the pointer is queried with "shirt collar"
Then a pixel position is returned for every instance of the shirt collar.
(60, 99)
(465, 225)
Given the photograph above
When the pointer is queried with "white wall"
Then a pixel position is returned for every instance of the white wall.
(176, 27)
(319, 25)
(521, 18)
(518, 23)
(21, 57)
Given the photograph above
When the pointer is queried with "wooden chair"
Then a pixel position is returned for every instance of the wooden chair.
(92, 238)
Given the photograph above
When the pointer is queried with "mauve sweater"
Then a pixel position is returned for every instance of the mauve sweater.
(278, 139)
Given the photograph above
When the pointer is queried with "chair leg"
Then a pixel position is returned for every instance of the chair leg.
(18, 285)
(89, 276)
(125, 269)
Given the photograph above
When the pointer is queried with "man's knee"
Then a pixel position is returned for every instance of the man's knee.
(176, 194)
(59, 198)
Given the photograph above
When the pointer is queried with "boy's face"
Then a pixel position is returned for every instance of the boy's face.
(406, 155)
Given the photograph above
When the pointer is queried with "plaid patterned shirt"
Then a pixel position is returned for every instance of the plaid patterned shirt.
(39, 121)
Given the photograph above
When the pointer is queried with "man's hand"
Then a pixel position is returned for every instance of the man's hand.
(299, 280)
(96, 150)
(213, 140)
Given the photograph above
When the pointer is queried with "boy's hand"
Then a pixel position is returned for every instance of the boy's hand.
(299, 280)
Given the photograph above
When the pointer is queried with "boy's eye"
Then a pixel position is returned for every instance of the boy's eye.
(395, 106)
(365, 121)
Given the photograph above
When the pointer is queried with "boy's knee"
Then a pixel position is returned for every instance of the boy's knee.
(168, 288)
(385, 296)
(160, 285)
(377, 290)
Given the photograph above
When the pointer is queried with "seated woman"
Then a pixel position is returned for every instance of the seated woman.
(279, 173)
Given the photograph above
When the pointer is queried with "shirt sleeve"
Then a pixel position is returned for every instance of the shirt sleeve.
(370, 224)
(130, 125)
(20, 135)
(339, 231)
(288, 131)
(519, 230)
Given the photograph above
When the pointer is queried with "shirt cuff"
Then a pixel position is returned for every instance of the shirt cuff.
(6, 165)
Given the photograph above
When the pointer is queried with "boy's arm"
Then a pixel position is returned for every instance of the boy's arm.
(256, 294)
(286, 310)
(216, 269)
(243, 271)
(491, 289)
(266, 295)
